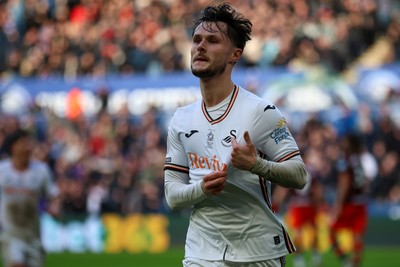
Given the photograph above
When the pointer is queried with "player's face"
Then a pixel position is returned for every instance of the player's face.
(22, 147)
(211, 50)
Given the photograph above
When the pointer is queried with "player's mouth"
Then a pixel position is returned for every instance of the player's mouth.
(200, 59)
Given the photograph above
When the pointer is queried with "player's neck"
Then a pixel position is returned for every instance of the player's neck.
(215, 91)
(20, 164)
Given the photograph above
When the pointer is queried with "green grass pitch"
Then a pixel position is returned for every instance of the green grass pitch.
(373, 257)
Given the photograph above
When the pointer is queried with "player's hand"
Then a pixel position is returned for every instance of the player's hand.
(213, 183)
(54, 208)
(243, 156)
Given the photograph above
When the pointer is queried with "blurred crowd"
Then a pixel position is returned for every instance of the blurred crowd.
(321, 143)
(101, 164)
(114, 163)
(79, 37)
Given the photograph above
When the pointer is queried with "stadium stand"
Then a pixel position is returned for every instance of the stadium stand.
(69, 38)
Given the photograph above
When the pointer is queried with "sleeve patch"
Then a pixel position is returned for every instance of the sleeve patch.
(281, 131)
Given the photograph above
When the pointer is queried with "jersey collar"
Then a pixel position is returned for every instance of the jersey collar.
(223, 116)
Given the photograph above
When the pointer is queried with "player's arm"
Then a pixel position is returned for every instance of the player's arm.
(54, 207)
(290, 173)
(51, 193)
(179, 192)
(281, 163)
(343, 190)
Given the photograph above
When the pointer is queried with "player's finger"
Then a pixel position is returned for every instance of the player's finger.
(214, 185)
(218, 190)
(247, 138)
(234, 143)
(214, 175)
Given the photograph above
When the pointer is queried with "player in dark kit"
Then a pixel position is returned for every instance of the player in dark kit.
(350, 210)
(303, 208)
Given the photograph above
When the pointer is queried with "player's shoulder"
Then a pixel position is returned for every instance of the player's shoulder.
(186, 112)
(39, 166)
(189, 107)
(260, 105)
(5, 163)
(5, 169)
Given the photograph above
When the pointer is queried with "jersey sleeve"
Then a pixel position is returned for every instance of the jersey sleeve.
(179, 192)
(176, 159)
(50, 188)
(272, 135)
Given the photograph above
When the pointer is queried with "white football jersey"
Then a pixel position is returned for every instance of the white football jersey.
(20, 193)
(238, 224)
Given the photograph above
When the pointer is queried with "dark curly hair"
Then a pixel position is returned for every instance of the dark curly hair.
(12, 138)
(239, 28)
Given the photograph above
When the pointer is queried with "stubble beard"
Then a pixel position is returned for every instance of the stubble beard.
(208, 72)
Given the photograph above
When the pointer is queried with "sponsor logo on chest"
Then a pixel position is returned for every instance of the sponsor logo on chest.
(203, 162)
(199, 161)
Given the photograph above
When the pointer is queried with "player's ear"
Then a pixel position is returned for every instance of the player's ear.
(236, 54)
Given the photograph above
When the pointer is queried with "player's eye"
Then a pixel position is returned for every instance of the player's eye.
(196, 40)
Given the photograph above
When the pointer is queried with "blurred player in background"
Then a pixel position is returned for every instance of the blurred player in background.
(23, 184)
(302, 209)
(350, 208)
(224, 151)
